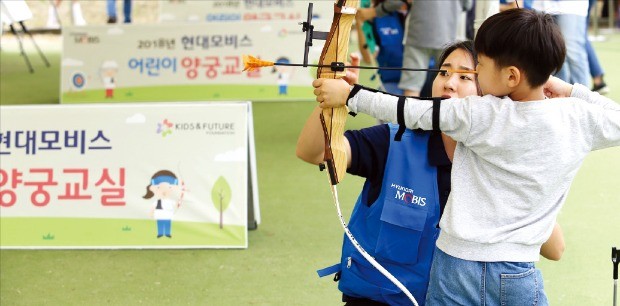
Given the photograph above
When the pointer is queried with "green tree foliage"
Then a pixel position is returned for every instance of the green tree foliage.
(221, 195)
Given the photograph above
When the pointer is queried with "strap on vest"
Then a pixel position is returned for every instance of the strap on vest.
(329, 270)
(436, 108)
(356, 88)
(436, 150)
(400, 117)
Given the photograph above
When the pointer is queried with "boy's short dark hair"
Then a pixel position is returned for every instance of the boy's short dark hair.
(527, 39)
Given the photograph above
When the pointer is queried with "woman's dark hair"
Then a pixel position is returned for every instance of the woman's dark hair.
(526, 39)
(466, 45)
(149, 194)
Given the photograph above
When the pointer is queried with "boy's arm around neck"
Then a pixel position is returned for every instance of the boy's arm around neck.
(454, 120)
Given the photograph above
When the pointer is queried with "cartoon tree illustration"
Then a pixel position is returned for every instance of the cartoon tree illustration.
(220, 195)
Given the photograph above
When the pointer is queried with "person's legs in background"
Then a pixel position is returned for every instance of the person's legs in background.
(618, 17)
(411, 82)
(596, 71)
(77, 17)
(576, 68)
(428, 82)
(76, 13)
(52, 15)
(127, 10)
(111, 9)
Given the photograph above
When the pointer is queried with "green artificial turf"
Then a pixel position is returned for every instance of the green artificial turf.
(113, 233)
(299, 233)
(18, 86)
(188, 93)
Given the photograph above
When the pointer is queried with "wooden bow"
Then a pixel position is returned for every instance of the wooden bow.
(331, 65)
(333, 120)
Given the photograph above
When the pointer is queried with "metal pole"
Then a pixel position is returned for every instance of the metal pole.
(615, 259)
(615, 291)
(21, 47)
(47, 63)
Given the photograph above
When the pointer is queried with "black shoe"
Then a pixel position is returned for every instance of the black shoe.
(112, 20)
(159, 236)
(601, 88)
(169, 236)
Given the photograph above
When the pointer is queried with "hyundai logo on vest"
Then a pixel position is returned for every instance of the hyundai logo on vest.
(406, 195)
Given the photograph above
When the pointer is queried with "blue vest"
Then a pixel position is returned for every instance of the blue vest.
(399, 229)
(389, 34)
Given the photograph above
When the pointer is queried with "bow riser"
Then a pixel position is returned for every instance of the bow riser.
(336, 49)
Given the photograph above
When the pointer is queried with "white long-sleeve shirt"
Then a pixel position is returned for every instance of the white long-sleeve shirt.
(513, 165)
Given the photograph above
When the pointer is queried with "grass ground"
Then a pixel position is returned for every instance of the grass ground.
(299, 233)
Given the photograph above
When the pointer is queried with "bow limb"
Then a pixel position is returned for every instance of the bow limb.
(333, 120)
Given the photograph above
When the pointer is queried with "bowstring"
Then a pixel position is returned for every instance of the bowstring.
(362, 251)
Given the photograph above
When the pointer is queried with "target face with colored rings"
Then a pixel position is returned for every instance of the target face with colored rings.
(78, 80)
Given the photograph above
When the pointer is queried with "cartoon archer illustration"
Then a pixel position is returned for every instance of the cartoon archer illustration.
(284, 75)
(109, 70)
(164, 186)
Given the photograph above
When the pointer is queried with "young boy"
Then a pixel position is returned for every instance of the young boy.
(516, 157)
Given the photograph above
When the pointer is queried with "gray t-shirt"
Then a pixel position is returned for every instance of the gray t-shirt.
(432, 24)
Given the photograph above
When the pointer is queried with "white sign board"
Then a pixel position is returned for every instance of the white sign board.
(157, 175)
(184, 62)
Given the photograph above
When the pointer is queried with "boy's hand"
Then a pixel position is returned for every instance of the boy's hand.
(556, 88)
(331, 93)
(353, 74)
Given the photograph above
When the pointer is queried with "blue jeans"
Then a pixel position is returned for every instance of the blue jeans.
(111, 6)
(595, 67)
(456, 281)
(576, 68)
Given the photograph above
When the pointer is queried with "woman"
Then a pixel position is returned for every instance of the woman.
(407, 185)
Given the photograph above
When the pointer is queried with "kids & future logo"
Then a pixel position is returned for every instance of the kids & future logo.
(164, 128)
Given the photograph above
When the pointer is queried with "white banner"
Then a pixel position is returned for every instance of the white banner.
(143, 175)
(128, 63)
